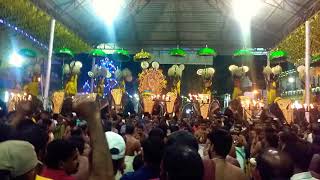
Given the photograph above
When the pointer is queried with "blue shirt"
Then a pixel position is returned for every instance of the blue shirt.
(144, 173)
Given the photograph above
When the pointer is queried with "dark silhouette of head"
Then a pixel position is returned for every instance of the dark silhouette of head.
(182, 163)
(273, 164)
(221, 140)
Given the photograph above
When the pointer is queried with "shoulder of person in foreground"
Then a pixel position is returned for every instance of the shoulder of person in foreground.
(237, 172)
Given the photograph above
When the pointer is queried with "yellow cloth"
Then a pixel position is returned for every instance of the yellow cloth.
(42, 178)
(178, 87)
(236, 92)
(71, 86)
(33, 88)
(272, 93)
(100, 89)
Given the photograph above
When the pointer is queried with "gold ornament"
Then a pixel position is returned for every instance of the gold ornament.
(142, 55)
(57, 100)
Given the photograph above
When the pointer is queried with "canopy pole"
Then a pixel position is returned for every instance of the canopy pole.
(92, 78)
(307, 71)
(47, 84)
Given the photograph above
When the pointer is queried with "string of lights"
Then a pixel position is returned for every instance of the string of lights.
(23, 33)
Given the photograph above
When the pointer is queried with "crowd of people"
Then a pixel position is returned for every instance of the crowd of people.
(89, 143)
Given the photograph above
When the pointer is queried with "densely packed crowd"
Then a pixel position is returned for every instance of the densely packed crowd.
(89, 143)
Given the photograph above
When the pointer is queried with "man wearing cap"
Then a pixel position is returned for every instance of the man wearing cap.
(18, 159)
(117, 148)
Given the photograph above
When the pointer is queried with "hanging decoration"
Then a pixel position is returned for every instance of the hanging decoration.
(271, 76)
(206, 74)
(207, 52)
(32, 87)
(142, 56)
(238, 73)
(175, 72)
(177, 52)
(64, 53)
(151, 82)
(72, 71)
(104, 76)
(35, 22)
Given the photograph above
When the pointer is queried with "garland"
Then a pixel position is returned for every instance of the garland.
(27, 16)
(294, 43)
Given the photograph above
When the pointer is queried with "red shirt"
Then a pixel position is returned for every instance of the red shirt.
(56, 174)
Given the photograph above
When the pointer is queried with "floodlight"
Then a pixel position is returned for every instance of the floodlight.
(16, 60)
(244, 10)
(108, 9)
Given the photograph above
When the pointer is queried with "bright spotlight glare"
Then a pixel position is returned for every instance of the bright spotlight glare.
(108, 9)
(244, 10)
(16, 60)
(291, 80)
(6, 96)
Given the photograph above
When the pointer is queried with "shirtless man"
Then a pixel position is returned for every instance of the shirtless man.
(220, 145)
(133, 144)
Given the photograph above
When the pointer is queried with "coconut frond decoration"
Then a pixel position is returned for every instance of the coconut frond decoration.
(278, 56)
(76, 67)
(206, 73)
(155, 65)
(64, 53)
(144, 65)
(181, 66)
(276, 70)
(142, 55)
(66, 69)
(126, 72)
(238, 71)
(177, 52)
(242, 52)
(267, 70)
(175, 71)
(207, 52)
(232, 68)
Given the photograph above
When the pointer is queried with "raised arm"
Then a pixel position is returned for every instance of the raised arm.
(102, 168)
